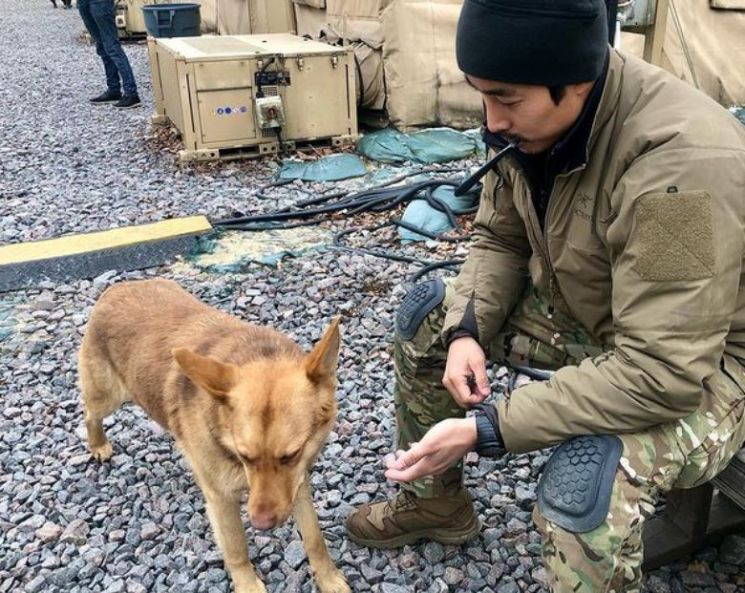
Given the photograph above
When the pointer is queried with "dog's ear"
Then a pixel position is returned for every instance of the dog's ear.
(215, 377)
(320, 364)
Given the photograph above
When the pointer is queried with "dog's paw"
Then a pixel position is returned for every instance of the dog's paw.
(333, 582)
(102, 452)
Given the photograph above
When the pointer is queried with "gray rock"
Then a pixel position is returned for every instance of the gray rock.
(75, 533)
(433, 552)
(508, 587)
(149, 531)
(392, 588)
(48, 532)
(32, 523)
(294, 554)
(453, 576)
(732, 550)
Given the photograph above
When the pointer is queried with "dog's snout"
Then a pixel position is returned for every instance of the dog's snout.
(265, 520)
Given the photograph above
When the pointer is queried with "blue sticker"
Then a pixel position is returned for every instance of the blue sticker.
(228, 110)
(219, 111)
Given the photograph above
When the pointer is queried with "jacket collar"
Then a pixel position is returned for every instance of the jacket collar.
(609, 98)
(571, 151)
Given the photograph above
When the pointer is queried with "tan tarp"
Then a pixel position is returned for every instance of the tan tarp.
(271, 16)
(714, 40)
(208, 15)
(728, 4)
(310, 21)
(370, 77)
(313, 3)
(425, 86)
(357, 20)
(246, 17)
(233, 17)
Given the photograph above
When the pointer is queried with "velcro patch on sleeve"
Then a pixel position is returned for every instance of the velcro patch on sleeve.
(675, 236)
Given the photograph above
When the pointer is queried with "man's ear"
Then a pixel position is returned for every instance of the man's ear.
(320, 364)
(215, 377)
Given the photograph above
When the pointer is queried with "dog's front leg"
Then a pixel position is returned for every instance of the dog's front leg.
(330, 579)
(224, 513)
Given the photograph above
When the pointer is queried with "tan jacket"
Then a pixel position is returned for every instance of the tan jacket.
(643, 246)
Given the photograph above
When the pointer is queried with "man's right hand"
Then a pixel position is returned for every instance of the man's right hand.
(465, 372)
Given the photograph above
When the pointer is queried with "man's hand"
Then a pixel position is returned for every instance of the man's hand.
(465, 372)
(443, 445)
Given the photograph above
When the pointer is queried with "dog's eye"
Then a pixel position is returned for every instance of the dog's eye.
(289, 458)
(247, 460)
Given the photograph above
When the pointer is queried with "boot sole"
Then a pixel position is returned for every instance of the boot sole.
(128, 106)
(455, 536)
(109, 102)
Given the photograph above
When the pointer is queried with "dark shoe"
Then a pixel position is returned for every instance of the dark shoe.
(107, 97)
(127, 102)
(405, 519)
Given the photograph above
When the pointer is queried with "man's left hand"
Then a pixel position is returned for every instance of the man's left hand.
(443, 445)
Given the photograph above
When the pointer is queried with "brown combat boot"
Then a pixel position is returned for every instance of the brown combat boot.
(405, 519)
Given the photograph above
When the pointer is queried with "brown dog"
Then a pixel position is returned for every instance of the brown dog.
(246, 405)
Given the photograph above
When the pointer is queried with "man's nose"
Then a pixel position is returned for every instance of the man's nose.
(496, 119)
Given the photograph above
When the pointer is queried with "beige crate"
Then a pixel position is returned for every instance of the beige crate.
(206, 87)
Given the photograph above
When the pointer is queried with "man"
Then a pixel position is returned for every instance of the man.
(608, 247)
(99, 18)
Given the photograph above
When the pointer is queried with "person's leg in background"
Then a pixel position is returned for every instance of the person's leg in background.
(104, 14)
(113, 86)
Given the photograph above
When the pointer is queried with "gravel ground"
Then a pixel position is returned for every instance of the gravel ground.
(137, 524)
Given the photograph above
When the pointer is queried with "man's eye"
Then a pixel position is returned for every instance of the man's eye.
(289, 458)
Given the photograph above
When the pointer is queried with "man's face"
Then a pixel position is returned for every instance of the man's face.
(527, 114)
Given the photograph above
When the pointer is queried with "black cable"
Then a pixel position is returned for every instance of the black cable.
(427, 266)
(401, 177)
(282, 148)
(259, 91)
(378, 199)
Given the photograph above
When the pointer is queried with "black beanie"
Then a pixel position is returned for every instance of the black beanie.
(541, 42)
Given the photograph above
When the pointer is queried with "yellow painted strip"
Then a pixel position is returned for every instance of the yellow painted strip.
(113, 238)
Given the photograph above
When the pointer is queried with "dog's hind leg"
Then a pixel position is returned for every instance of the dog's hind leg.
(224, 513)
(330, 579)
(98, 402)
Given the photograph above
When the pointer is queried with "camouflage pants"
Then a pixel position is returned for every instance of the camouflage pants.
(680, 454)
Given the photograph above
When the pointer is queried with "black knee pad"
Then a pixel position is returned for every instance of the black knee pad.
(417, 304)
(575, 489)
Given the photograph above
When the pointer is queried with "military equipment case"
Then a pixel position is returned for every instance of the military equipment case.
(206, 87)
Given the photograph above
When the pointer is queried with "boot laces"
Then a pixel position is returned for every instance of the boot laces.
(405, 501)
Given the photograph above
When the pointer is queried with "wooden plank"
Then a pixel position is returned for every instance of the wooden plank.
(654, 37)
(731, 482)
(681, 529)
(666, 541)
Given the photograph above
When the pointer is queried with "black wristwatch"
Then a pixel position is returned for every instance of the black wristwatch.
(489, 441)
